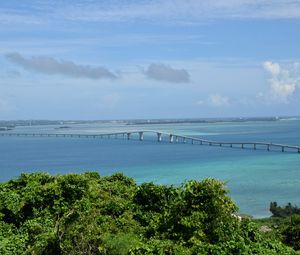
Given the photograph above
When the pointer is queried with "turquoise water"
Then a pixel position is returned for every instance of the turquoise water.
(255, 178)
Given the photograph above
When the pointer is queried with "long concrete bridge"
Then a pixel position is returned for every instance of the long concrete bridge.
(169, 137)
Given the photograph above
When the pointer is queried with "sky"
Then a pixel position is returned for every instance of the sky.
(109, 59)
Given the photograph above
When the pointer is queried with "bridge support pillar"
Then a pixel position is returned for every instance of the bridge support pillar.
(282, 148)
(171, 138)
(254, 145)
(183, 140)
(176, 139)
(192, 141)
(128, 136)
(141, 136)
(159, 137)
(268, 147)
(298, 150)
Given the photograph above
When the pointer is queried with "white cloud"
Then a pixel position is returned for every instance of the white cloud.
(217, 100)
(214, 100)
(272, 68)
(283, 82)
(51, 66)
(163, 72)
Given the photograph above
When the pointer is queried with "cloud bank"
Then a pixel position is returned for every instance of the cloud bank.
(175, 10)
(283, 83)
(163, 72)
(190, 11)
(52, 66)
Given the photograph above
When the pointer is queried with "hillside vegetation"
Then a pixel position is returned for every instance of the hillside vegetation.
(90, 214)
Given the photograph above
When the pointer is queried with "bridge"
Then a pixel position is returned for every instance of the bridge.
(169, 137)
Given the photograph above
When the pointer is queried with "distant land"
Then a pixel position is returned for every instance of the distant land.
(10, 124)
(204, 120)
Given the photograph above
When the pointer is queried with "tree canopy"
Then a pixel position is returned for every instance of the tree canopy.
(90, 214)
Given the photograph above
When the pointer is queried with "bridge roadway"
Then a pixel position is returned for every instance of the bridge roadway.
(160, 136)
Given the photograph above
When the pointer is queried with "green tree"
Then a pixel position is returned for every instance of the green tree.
(88, 214)
(291, 233)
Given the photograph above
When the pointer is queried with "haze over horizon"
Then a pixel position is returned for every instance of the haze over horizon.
(149, 59)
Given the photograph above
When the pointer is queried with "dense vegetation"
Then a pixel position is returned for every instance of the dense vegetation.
(89, 214)
(288, 210)
(284, 224)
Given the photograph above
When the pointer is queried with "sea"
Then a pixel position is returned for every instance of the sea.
(254, 177)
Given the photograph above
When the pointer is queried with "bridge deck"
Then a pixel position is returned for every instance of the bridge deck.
(160, 135)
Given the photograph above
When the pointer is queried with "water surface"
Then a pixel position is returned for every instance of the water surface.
(255, 178)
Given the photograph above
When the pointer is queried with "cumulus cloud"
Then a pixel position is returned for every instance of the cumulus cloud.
(283, 83)
(272, 68)
(52, 66)
(163, 72)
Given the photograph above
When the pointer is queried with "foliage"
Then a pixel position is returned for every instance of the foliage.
(291, 232)
(286, 211)
(89, 214)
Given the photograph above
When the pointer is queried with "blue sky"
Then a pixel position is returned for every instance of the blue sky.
(149, 59)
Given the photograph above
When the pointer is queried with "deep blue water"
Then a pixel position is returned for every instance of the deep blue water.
(255, 178)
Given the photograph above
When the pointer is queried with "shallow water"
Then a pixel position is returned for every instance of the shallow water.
(255, 178)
